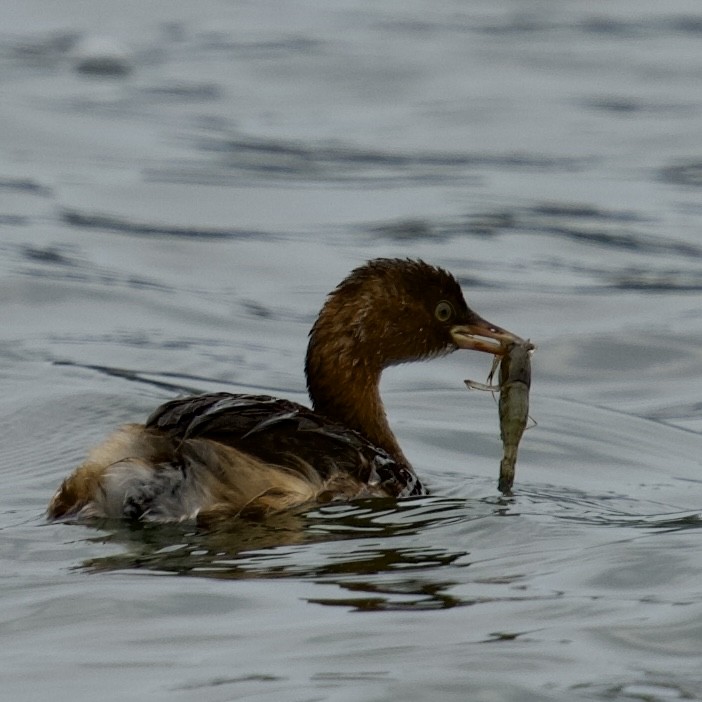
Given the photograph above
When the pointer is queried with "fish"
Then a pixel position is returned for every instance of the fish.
(513, 385)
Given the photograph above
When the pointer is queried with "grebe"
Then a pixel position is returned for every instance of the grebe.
(219, 456)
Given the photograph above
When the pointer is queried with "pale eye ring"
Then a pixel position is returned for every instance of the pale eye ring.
(443, 311)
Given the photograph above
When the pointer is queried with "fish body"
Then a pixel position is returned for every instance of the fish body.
(514, 384)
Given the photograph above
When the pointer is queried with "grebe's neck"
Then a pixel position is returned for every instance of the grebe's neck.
(382, 314)
(344, 387)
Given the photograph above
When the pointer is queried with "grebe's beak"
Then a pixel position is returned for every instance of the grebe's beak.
(481, 335)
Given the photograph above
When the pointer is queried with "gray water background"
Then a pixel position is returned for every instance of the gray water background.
(182, 183)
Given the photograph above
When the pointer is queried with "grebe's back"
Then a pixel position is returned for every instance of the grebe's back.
(220, 455)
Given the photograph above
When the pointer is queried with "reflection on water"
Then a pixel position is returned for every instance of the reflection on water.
(369, 548)
(249, 549)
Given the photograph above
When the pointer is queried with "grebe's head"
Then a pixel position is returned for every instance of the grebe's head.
(390, 311)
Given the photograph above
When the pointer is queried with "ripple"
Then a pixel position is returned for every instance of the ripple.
(547, 222)
(219, 682)
(25, 185)
(643, 280)
(140, 377)
(67, 264)
(29, 455)
(406, 230)
(589, 225)
(241, 155)
(619, 249)
(610, 26)
(182, 91)
(102, 57)
(9, 220)
(50, 254)
(278, 47)
(43, 49)
(624, 105)
(688, 174)
(658, 689)
(610, 510)
(686, 24)
(86, 220)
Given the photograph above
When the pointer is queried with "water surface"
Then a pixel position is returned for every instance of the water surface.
(181, 186)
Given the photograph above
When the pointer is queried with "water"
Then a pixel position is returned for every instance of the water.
(181, 185)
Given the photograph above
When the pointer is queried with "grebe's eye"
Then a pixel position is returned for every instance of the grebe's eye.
(443, 311)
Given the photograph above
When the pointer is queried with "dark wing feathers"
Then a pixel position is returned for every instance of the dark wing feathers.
(284, 433)
(189, 417)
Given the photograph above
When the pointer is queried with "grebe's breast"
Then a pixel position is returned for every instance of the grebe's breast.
(280, 432)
